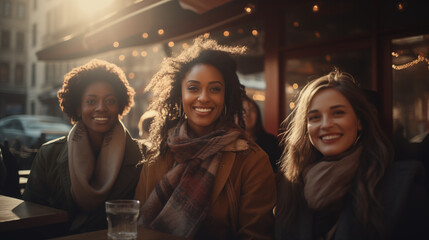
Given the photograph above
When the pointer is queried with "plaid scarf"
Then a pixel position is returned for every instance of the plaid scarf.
(180, 201)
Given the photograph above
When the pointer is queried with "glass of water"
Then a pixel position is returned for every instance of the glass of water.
(122, 219)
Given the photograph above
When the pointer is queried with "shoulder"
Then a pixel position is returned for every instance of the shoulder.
(404, 173)
(252, 152)
(54, 145)
(405, 199)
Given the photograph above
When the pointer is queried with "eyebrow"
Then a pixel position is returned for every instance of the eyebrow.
(94, 95)
(212, 82)
(332, 107)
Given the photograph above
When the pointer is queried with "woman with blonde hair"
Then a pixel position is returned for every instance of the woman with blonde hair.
(337, 179)
(202, 177)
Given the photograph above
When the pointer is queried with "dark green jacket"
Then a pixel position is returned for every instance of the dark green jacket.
(49, 184)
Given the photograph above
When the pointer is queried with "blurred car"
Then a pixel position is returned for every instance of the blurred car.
(29, 128)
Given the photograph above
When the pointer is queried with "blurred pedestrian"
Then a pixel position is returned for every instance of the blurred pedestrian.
(254, 127)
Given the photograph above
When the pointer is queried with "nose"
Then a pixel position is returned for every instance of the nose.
(326, 122)
(101, 106)
(203, 97)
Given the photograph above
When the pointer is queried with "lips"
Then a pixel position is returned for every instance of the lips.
(101, 119)
(330, 137)
(203, 109)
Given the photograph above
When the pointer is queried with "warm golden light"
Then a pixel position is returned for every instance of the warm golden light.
(91, 8)
(255, 32)
(143, 53)
(395, 54)
(226, 33)
(291, 105)
(206, 35)
(258, 97)
(328, 57)
(155, 49)
(116, 44)
(290, 89)
(161, 31)
(135, 53)
(145, 35)
(295, 86)
(400, 6)
(131, 75)
(296, 24)
(249, 8)
(171, 44)
(315, 8)
(121, 57)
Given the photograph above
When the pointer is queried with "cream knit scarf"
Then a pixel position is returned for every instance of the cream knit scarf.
(92, 179)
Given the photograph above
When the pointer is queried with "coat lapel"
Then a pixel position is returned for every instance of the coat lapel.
(222, 175)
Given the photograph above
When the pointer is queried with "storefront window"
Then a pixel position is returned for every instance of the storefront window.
(316, 21)
(410, 73)
(302, 70)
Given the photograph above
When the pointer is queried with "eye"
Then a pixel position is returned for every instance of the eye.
(216, 89)
(111, 101)
(339, 113)
(90, 101)
(313, 117)
(192, 88)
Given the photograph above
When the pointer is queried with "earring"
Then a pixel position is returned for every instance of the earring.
(358, 137)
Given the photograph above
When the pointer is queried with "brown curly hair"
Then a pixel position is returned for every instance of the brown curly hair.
(166, 88)
(79, 78)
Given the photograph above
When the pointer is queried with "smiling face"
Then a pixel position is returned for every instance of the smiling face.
(203, 97)
(332, 124)
(99, 108)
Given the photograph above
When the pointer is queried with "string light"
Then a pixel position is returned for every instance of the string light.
(412, 63)
(161, 31)
(116, 44)
(315, 8)
(249, 8)
(145, 35)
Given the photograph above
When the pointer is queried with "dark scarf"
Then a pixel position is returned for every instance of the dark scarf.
(180, 202)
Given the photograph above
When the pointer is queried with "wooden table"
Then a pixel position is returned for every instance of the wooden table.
(17, 214)
(143, 233)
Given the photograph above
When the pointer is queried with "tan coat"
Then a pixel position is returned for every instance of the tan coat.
(243, 198)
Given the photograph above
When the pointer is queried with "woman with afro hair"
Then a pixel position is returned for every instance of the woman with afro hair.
(97, 160)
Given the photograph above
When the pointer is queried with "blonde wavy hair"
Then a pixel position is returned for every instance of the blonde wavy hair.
(299, 152)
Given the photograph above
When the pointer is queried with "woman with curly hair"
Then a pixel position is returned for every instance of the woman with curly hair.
(97, 160)
(337, 179)
(202, 178)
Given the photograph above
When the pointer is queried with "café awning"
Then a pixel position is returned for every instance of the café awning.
(178, 19)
